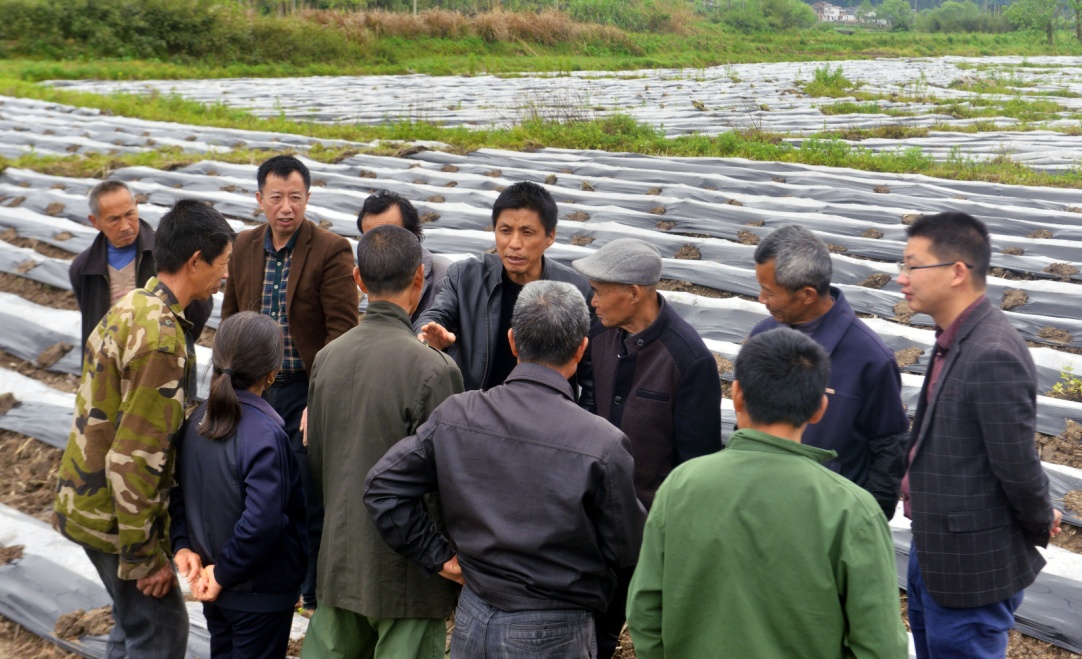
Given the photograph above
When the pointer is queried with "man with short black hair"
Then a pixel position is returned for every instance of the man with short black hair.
(757, 551)
(119, 260)
(538, 495)
(386, 207)
(866, 424)
(301, 275)
(370, 388)
(654, 378)
(114, 478)
(974, 487)
(472, 314)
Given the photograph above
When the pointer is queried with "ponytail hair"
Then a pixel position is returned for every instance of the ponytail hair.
(247, 348)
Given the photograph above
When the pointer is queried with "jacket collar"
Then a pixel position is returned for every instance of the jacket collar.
(746, 439)
(835, 323)
(387, 313)
(162, 292)
(541, 375)
(635, 342)
(246, 397)
(426, 261)
(97, 262)
(494, 270)
(301, 240)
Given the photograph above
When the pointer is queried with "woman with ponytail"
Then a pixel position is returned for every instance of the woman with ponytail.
(237, 509)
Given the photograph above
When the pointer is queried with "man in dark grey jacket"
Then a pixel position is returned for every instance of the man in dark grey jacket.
(472, 314)
(537, 494)
(371, 387)
(120, 259)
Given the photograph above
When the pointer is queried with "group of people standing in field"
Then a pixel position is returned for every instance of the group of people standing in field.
(533, 447)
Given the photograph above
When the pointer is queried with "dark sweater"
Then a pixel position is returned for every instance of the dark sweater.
(238, 504)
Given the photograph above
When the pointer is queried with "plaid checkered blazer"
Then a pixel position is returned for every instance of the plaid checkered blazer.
(979, 498)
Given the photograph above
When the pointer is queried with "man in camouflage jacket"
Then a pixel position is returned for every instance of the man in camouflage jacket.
(117, 469)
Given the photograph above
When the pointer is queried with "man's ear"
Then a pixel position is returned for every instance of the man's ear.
(511, 340)
(195, 258)
(550, 238)
(582, 349)
(809, 295)
(357, 279)
(419, 277)
(818, 416)
(738, 397)
(93, 221)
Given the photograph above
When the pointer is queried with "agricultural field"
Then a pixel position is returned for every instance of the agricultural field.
(841, 148)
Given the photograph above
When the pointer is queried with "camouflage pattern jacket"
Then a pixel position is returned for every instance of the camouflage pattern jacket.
(113, 489)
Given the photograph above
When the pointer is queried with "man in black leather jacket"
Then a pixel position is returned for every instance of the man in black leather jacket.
(472, 313)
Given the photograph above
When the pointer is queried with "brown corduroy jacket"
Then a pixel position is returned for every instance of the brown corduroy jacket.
(321, 296)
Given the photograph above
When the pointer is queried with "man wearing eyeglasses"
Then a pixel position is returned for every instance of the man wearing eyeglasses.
(865, 422)
(974, 487)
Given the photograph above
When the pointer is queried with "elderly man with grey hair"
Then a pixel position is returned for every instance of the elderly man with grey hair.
(537, 493)
(654, 378)
(865, 422)
(120, 260)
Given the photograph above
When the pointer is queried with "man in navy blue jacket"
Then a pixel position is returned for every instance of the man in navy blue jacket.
(865, 421)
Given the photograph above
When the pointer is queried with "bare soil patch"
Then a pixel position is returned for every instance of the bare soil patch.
(1054, 334)
(17, 642)
(871, 233)
(684, 286)
(875, 280)
(578, 216)
(1063, 449)
(10, 554)
(1040, 234)
(581, 239)
(1070, 539)
(724, 366)
(38, 293)
(61, 381)
(908, 356)
(690, 252)
(1063, 270)
(1073, 501)
(28, 475)
(45, 249)
(1014, 251)
(745, 237)
(1012, 298)
(902, 312)
(1003, 273)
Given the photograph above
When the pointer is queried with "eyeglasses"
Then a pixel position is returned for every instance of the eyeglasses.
(906, 269)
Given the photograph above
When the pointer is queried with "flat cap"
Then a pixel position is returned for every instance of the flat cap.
(623, 261)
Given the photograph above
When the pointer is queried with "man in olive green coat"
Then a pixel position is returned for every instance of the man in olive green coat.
(371, 387)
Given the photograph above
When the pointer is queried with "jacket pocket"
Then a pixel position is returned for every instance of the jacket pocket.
(652, 395)
(978, 520)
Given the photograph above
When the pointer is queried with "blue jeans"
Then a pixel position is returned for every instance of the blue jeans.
(289, 401)
(485, 632)
(145, 626)
(941, 632)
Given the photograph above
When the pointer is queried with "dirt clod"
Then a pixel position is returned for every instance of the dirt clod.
(96, 622)
(451, 184)
(689, 252)
(1062, 270)
(449, 168)
(325, 224)
(587, 186)
(902, 312)
(53, 354)
(778, 179)
(871, 233)
(364, 173)
(881, 189)
(1054, 334)
(875, 280)
(581, 239)
(837, 249)
(755, 223)
(7, 402)
(429, 217)
(1014, 251)
(1040, 233)
(436, 199)
(551, 179)
(908, 356)
(10, 554)
(910, 218)
(494, 173)
(746, 238)
(578, 216)
(54, 209)
(733, 202)
(654, 191)
(1012, 298)
(665, 225)
(1072, 501)
(657, 210)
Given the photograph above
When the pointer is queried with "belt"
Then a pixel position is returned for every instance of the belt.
(290, 378)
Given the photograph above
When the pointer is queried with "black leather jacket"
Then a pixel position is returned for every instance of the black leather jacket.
(469, 306)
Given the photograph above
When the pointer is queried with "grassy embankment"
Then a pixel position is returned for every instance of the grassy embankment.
(503, 43)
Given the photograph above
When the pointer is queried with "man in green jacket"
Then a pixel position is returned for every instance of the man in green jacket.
(371, 387)
(760, 551)
(113, 491)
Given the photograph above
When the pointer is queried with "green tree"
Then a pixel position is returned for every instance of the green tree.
(1034, 15)
(898, 14)
(1076, 7)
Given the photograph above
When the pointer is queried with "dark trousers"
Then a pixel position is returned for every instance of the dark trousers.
(244, 635)
(289, 400)
(941, 632)
(145, 626)
(609, 624)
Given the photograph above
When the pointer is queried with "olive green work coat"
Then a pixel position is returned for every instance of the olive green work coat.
(369, 388)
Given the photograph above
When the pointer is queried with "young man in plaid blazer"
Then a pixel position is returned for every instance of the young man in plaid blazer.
(974, 487)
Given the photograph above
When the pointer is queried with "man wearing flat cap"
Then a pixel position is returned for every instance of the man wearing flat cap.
(654, 379)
